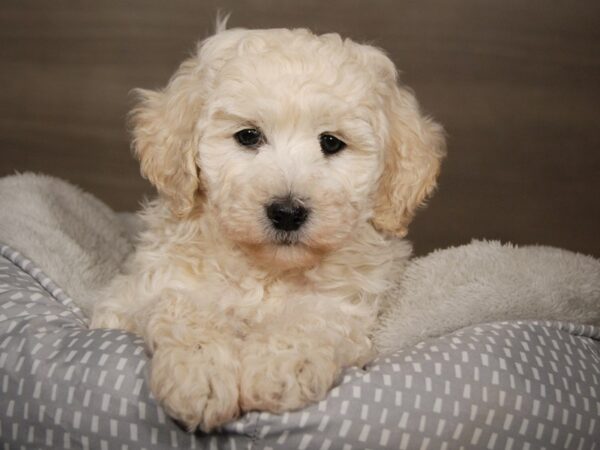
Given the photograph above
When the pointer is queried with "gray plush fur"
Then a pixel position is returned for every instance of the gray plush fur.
(72, 236)
(487, 281)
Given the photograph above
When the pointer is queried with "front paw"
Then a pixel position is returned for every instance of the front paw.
(286, 380)
(197, 387)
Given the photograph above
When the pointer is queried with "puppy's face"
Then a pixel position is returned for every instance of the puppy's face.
(295, 140)
(289, 154)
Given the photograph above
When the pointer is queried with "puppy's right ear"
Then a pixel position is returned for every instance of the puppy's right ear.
(165, 138)
(165, 141)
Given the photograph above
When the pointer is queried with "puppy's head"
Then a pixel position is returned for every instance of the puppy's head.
(291, 140)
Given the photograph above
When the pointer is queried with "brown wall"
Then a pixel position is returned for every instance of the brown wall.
(516, 84)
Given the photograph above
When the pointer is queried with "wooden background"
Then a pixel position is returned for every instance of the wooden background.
(516, 84)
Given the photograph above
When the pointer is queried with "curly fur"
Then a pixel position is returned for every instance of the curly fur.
(235, 319)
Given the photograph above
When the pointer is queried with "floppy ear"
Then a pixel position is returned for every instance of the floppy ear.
(414, 149)
(164, 137)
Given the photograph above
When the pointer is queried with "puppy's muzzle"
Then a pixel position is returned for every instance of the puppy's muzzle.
(286, 214)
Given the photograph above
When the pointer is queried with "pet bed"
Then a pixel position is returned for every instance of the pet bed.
(499, 385)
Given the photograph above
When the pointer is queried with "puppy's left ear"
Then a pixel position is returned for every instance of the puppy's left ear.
(414, 148)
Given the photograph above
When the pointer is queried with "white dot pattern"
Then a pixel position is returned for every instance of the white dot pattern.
(495, 386)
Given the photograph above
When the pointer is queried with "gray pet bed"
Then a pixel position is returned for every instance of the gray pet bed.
(497, 386)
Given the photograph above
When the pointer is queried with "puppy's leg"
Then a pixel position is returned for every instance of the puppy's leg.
(290, 368)
(113, 307)
(194, 368)
(111, 317)
(285, 372)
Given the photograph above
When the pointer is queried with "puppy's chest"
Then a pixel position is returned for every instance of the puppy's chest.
(255, 296)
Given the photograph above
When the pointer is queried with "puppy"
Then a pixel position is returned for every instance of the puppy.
(288, 167)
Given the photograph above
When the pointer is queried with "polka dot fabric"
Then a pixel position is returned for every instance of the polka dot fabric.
(513, 385)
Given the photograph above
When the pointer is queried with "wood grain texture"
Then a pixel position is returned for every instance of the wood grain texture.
(516, 84)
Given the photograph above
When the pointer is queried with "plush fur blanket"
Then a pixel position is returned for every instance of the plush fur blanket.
(75, 238)
(485, 282)
(81, 243)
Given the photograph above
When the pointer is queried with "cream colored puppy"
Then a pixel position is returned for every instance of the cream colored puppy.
(288, 167)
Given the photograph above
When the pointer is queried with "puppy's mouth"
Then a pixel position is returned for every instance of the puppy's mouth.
(286, 239)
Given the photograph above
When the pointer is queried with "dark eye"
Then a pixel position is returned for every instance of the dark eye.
(249, 137)
(330, 144)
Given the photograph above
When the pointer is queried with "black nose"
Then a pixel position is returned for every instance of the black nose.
(286, 214)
